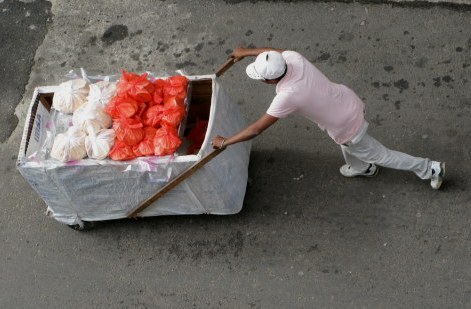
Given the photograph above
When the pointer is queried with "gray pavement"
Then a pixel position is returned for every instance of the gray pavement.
(316, 241)
(23, 26)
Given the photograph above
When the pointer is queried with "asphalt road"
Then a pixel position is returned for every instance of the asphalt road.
(306, 237)
(23, 26)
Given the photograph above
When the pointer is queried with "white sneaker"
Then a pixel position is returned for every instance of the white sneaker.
(347, 171)
(438, 172)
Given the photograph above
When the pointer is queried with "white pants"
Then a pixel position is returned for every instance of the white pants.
(364, 149)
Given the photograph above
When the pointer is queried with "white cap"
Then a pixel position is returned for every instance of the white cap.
(268, 65)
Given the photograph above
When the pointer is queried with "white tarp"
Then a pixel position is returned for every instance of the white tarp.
(96, 190)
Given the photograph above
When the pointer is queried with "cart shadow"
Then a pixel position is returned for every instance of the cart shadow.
(296, 203)
(285, 182)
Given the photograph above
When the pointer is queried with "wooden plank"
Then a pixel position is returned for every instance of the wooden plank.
(224, 67)
(176, 181)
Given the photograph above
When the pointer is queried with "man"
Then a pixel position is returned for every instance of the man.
(302, 89)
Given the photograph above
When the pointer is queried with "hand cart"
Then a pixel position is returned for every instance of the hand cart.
(86, 191)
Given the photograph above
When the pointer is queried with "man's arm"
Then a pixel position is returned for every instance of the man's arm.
(249, 132)
(240, 53)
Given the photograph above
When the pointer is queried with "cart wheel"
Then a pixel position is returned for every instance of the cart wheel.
(86, 225)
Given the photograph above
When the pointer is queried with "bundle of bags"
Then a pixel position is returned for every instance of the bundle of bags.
(131, 118)
(90, 135)
(146, 115)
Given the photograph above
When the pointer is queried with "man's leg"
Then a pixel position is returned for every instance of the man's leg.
(370, 150)
(356, 167)
(353, 162)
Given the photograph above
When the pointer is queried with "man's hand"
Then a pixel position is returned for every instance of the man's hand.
(238, 54)
(218, 142)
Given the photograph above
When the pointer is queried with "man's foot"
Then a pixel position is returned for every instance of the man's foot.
(371, 171)
(438, 172)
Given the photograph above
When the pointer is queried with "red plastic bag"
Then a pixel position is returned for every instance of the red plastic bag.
(146, 146)
(158, 94)
(172, 117)
(196, 136)
(172, 91)
(121, 152)
(128, 130)
(175, 86)
(152, 115)
(174, 102)
(178, 83)
(170, 113)
(157, 98)
(141, 109)
(122, 106)
(166, 141)
(159, 85)
(137, 86)
(174, 112)
(157, 104)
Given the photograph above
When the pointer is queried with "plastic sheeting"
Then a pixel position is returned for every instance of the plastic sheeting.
(96, 190)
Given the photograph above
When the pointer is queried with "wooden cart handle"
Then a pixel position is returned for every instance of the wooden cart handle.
(176, 181)
(224, 67)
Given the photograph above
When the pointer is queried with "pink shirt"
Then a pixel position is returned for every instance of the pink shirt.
(304, 90)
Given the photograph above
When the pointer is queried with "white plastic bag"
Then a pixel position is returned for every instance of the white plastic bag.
(69, 146)
(99, 145)
(91, 117)
(70, 95)
(101, 92)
